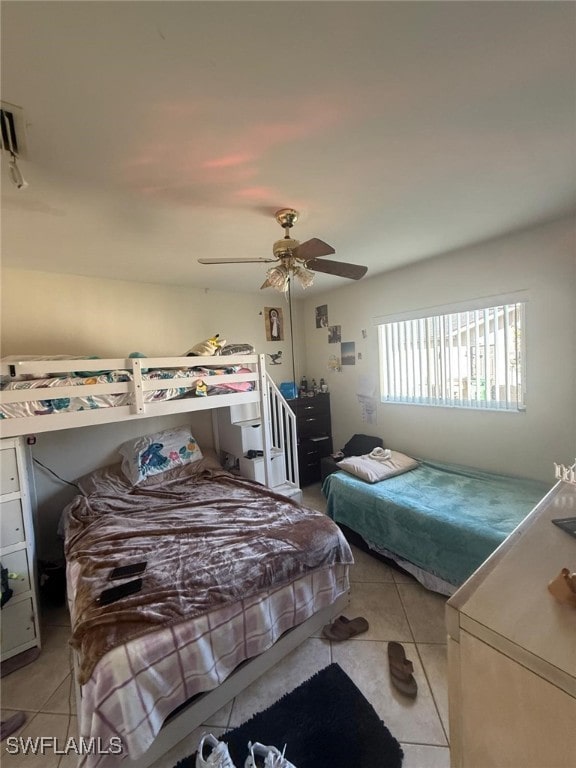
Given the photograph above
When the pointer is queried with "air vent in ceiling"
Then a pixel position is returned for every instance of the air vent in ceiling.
(12, 129)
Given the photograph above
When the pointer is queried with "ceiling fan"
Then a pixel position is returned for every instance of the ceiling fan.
(296, 260)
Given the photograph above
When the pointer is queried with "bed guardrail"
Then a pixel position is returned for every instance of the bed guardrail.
(135, 389)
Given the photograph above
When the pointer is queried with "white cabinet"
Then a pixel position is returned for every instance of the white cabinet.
(19, 625)
(254, 469)
(512, 650)
(240, 431)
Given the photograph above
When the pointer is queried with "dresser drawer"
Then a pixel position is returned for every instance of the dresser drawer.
(313, 424)
(9, 480)
(310, 453)
(314, 429)
(18, 625)
(310, 405)
(11, 523)
(17, 562)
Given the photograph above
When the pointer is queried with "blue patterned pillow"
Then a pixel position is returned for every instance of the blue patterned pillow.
(153, 454)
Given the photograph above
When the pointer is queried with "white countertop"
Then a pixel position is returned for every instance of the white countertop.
(507, 602)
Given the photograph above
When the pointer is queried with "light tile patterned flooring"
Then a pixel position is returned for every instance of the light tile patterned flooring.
(397, 608)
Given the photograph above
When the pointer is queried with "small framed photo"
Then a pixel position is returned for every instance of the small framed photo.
(274, 323)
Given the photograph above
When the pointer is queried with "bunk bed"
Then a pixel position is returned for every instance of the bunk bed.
(49, 394)
(152, 666)
(437, 521)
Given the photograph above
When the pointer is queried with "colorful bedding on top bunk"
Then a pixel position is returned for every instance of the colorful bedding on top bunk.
(230, 567)
(86, 401)
(445, 519)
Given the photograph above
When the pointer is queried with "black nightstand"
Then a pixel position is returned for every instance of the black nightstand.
(314, 428)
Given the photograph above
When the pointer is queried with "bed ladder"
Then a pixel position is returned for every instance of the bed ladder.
(260, 438)
(278, 432)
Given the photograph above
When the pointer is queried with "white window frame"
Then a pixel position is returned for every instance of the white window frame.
(437, 356)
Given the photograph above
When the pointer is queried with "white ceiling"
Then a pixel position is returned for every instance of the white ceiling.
(160, 132)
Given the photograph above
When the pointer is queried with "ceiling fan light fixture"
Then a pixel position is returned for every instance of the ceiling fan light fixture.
(304, 276)
(296, 260)
(278, 278)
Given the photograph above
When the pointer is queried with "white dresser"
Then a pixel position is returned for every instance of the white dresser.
(19, 624)
(512, 650)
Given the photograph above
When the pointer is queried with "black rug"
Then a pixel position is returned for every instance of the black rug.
(326, 723)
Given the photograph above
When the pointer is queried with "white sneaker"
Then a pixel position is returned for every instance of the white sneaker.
(266, 757)
(213, 753)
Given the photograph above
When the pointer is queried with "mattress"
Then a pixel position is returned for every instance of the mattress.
(445, 519)
(136, 686)
(231, 566)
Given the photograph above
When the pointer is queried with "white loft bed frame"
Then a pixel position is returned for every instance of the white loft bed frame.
(275, 431)
(277, 418)
(138, 409)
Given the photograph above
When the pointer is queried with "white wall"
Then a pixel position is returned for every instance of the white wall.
(541, 261)
(45, 313)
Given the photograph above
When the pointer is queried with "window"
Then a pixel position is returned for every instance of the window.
(467, 359)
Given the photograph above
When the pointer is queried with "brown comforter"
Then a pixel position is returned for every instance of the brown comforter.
(208, 539)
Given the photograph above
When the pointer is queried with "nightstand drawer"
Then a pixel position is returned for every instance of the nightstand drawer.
(314, 448)
(309, 474)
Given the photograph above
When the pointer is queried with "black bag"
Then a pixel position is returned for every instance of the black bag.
(360, 445)
(52, 582)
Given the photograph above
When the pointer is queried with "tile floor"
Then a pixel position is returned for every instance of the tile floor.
(397, 608)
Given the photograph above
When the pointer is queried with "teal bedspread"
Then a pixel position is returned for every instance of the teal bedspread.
(444, 518)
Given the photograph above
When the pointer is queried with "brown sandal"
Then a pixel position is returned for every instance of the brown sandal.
(401, 670)
(344, 629)
(11, 724)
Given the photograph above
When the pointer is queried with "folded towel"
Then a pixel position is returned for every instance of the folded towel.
(380, 454)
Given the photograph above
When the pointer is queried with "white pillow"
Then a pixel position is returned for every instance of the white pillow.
(373, 470)
(156, 453)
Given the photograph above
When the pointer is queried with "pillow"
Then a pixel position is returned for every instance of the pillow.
(153, 454)
(112, 481)
(374, 468)
(209, 460)
(107, 481)
(237, 349)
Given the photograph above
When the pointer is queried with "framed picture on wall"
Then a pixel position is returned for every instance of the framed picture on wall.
(334, 334)
(348, 352)
(274, 321)
(322, 316)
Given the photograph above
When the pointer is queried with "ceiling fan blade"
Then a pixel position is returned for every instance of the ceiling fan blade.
(312, 249)
(340, 268)
(235, 261)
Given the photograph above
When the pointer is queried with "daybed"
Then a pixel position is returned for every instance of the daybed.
(438, 521)
(231, 567)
